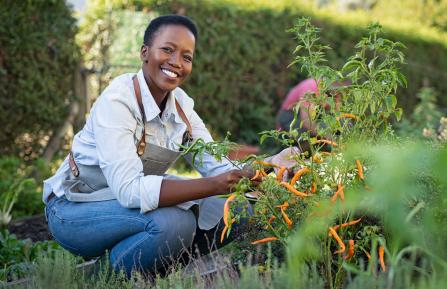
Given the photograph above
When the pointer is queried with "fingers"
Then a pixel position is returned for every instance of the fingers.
(256, 182)
(285, 158)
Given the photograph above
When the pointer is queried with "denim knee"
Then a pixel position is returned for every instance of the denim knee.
(168, 232)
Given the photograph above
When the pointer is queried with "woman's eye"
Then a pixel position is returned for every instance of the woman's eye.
(167, 49)
(187, 58)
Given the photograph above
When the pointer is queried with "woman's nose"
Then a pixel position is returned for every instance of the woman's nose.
(174, 60)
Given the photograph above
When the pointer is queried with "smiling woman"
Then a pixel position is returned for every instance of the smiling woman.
(168, 59)
(112, 194)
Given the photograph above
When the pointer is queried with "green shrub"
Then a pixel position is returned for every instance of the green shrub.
(240, 72)
(38, 58)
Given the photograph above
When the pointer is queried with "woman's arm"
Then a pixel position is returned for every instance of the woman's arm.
(113, 123)
(174, 192)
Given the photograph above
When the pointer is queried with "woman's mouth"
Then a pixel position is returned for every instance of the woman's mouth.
(170, 73)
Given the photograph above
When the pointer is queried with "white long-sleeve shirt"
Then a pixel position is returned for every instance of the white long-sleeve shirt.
(111, 133)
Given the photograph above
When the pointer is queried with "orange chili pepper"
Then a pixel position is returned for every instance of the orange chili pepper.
(381, 259)
(293, 190)
(340, 192)
(317, 159)
(366, 253)
(222, 236)
(266, 164)
(298, 174)
(336, 227)
(360, 169)
(285, 205)
(347, 115)
(313, 188)
(227, 208)
(334, 234)
(265, 240)
(262, 173)
(224, 231)
(280, 173)
(334, 196)
(257, 175)
(350, 250)
(286, 218)
(270, 221)
(325, 141)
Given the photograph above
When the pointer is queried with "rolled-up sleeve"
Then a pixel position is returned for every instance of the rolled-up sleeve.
(114, 125)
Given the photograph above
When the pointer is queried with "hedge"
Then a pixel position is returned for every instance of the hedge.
(38, 58)
(240, 73)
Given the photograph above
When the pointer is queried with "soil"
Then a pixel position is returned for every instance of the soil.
(34, 228)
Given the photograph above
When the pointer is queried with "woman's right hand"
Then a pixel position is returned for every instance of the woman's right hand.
(225, 182)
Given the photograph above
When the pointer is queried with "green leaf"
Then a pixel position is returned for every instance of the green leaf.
(352, 65)
(263, 138)
(372, 107)
(399, 113)
(391, 102)
(401, 79)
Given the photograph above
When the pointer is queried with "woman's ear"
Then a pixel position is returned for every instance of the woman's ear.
(144, 53)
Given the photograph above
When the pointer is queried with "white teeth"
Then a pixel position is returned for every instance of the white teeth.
(169, 73)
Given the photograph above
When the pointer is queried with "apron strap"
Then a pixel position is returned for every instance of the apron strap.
(142, 143)
(73, 167)
(188, 137)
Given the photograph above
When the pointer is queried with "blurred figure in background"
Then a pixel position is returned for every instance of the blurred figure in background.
(298, 94)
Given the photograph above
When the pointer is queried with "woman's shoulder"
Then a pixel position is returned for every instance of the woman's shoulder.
(118, 93)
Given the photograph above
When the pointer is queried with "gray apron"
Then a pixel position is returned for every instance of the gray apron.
(89, 181)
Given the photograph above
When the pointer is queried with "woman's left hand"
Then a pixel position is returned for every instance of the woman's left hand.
(284, 159)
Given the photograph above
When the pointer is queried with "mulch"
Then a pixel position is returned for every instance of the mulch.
(33, 227)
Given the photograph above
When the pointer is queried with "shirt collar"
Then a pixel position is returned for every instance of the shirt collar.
(151, 108)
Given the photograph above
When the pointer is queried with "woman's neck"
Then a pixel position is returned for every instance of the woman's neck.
(158, 94)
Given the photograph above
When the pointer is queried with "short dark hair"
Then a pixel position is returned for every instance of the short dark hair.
(171, 19)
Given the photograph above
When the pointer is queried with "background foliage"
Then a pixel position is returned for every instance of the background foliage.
(38, 58)
(240, 75)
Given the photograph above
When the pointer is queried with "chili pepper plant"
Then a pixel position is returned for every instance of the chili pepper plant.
(327, 188)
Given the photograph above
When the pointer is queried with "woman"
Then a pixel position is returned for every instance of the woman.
(111, 192)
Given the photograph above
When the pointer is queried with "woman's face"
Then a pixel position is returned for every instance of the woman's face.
(169, 58)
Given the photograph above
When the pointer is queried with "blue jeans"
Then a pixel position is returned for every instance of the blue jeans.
(145, 242)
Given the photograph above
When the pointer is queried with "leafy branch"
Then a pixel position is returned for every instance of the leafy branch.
(218, 149)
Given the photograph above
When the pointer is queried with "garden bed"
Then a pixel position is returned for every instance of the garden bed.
(33, 227)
